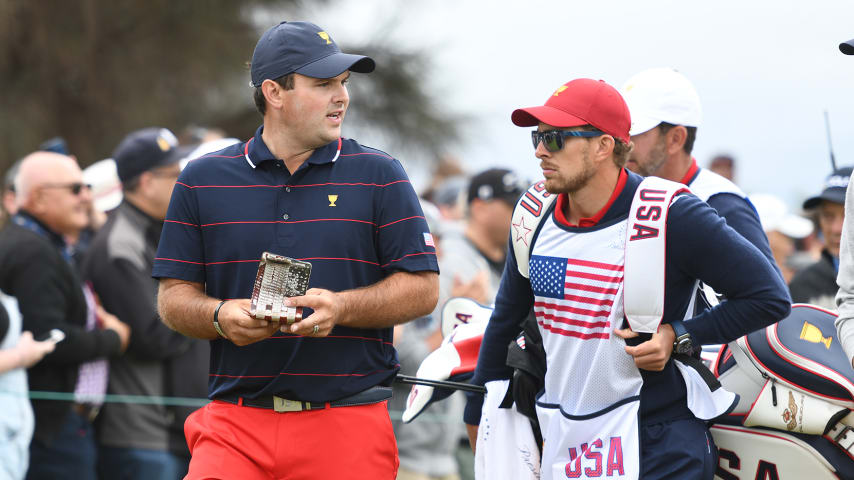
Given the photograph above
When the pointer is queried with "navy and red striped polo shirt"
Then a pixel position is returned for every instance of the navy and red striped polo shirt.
(349, 210)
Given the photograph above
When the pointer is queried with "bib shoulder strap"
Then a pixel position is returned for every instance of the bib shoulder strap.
(529, 212)
(643, 274)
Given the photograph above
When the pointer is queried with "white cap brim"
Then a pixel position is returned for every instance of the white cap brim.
(642, 123)
(795, 226)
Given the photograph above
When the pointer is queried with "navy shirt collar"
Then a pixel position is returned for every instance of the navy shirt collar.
(256, 152)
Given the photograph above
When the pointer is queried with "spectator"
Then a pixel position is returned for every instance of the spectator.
(35, 268)
(473, 257)
(449, 197)
(143, 441)
(816, 284)
(426, 447)
(106, 190)
(782, 228)
(297, 189)
(18, 351)
(723, 165)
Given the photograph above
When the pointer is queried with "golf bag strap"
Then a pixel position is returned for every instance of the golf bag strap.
(643, 273)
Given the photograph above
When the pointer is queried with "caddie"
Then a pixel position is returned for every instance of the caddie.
(622, 397)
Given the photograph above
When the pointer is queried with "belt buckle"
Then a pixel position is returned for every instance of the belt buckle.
(281, 405)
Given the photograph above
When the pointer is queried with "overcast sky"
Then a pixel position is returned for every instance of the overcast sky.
(764, 70)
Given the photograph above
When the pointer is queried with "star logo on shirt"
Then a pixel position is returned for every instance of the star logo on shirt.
(522, 231)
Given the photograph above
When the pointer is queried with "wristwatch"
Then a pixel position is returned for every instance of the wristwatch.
(683, 343)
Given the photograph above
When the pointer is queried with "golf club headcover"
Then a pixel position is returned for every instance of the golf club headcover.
(461, 311)
(454, 360)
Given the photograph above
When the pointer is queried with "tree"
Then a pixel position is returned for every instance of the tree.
(93, 70)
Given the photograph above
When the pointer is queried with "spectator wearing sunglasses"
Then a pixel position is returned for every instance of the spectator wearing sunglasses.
(142, 441)
(36, 269)
(611, 393)
(666, 114)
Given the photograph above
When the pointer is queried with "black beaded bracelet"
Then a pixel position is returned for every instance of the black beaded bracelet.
(216, 320)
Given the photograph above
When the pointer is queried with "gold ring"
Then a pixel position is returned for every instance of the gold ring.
(316, 329)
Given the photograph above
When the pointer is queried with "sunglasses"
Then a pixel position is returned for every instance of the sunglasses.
(553, 139)
(75, 187)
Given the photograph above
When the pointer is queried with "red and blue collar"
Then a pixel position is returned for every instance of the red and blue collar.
(255, 151)
(586, 222)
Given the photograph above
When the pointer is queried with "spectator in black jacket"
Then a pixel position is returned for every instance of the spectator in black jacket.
(816, 284)
(143, 441)
(35, 268)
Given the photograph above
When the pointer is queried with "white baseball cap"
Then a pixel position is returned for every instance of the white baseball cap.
(661, 95)
(106, 186)
(774, 215)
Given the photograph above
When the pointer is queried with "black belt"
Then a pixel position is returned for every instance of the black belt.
(281, 404)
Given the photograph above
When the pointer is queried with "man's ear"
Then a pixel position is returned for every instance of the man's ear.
(675, 139)
(273, 93)
(605, 145)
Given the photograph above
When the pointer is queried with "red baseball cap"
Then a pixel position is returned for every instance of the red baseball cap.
(582, 101)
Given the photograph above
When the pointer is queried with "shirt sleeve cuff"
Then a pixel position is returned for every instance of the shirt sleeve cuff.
(474, 405)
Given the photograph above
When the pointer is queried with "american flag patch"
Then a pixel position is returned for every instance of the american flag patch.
(520, 340)
(428, 240)
(574, 297)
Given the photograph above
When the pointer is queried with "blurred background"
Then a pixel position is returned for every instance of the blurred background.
(448, 76)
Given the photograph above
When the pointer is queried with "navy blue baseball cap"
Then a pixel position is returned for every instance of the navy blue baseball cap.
(834, 188)
(304, 48)
(145, 149)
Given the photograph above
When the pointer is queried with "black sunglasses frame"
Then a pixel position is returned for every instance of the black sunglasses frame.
(553, 139)
(75, 187)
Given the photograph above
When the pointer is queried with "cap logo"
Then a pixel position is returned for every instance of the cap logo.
(559, 90)
(837, 181)
(324, 36)
(166, 140)
(163, 144)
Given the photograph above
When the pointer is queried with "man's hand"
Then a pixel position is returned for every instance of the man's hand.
(327, 308)
(472, 432)
(476, 288)
(654, 353)
(112, 322)
(30, 351)
(239, 326)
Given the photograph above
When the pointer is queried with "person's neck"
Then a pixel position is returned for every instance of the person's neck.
(478, 237)
(675, 168)
(138, 203)
(589, 199)
(282, 145)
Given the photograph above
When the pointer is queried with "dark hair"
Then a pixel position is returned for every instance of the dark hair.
(689, 139)
(130, 185)
(285, 81)
(621, 148)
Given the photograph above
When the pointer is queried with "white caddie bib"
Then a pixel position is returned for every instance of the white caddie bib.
(609, 449)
